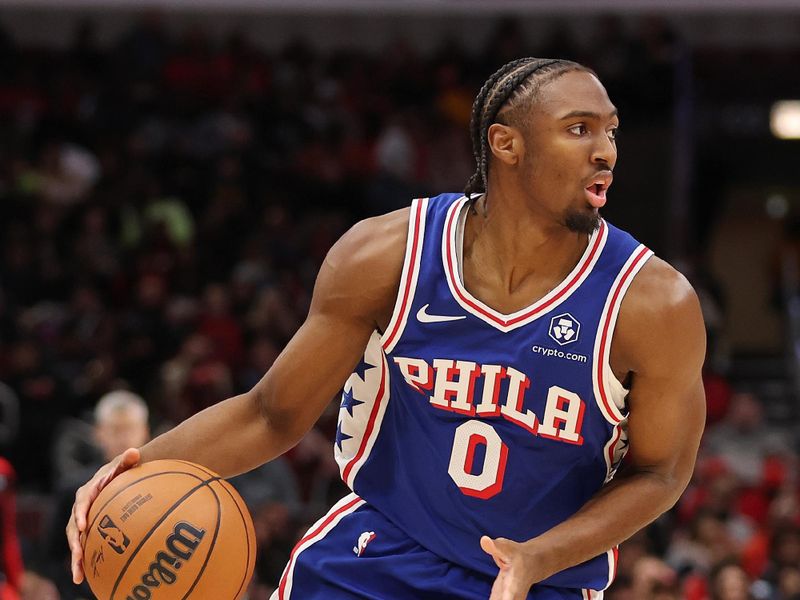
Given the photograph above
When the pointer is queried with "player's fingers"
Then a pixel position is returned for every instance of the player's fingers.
(495, 548)
(130, 458)
(488, 546)
(76, 553)
(127, 460)
(508, 588)
(77, 571)
(497, 587)
(513, 588)
(87, 494)
(83, 499)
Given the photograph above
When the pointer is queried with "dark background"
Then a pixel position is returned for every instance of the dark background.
(170, 181)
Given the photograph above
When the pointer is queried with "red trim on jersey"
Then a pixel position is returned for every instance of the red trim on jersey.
(517, 407)
(370, 424)
(308, 536)
(451, 396)
(614, 564)
(495, 488)
(409, 278)
(498, 380)
(535, 309)
(469, 459)
(560, 424)
(604, 338)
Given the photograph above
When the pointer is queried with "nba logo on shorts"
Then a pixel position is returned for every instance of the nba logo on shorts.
(564, 329)
(364, 539)
(112, 534)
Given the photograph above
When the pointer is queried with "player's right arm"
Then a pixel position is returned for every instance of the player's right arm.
(354, 294)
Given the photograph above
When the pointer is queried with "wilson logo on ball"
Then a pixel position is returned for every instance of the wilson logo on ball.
(113, 535)
(180, 546)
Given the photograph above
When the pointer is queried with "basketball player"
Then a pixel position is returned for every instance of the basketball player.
(499, 351)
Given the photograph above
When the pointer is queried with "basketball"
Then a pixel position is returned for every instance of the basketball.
(168, 530)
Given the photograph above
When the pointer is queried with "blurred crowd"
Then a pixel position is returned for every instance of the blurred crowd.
(165, 204)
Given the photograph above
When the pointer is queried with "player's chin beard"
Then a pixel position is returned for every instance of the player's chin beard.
(580, 221)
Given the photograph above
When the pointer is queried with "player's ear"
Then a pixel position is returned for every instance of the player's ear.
(505, 142)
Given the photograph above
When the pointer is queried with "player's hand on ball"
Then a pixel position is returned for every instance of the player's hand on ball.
(517, 569)
(83, 500)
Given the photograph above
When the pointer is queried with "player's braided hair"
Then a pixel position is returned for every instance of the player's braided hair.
(513, 85)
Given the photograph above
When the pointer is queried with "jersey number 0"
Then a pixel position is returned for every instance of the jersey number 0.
(562, 421)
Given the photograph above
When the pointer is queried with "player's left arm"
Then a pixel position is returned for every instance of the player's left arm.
(660, 341)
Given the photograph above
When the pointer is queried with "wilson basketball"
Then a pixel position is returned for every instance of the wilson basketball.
(168, 530)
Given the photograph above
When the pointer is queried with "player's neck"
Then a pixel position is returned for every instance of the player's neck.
(516, 243)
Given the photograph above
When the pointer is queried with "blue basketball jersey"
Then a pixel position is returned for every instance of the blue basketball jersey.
(461, 421)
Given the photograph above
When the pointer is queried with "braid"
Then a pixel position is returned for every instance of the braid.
(480, 99)
(511, 85)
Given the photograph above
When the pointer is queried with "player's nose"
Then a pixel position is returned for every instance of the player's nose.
(604, 151)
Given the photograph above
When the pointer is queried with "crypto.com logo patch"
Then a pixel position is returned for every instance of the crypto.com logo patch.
(564, 329)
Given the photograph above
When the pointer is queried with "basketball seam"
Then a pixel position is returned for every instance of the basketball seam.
(247, 535)
(158, 523)
(239, 509)
(211, 548)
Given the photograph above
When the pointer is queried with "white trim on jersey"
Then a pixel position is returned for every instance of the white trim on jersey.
(366, 439)
(452, 246)
(315, 533)
(410, 274)
(615, 448)
(609, 393)
(613, 559)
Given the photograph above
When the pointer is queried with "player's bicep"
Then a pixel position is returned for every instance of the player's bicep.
(665, 426)
(355, 291)
(311, 370)
(667, 401)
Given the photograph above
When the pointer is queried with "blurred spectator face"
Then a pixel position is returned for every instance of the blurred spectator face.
(652, 577)
(789, 582)
(216, 300)
(745, 413)
(731, 583)
(120, 423)
(25, 358)
(787, 547)
(196, 348)
(151, 291)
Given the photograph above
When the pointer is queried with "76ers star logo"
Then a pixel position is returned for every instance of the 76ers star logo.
(564, 329)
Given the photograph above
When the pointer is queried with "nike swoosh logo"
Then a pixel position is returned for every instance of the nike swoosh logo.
(424, 317)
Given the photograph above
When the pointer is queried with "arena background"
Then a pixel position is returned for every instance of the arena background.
(171, 178)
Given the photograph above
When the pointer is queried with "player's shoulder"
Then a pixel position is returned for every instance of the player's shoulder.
(376, 243)
(660, 289)
(361, 273)
(660, 320)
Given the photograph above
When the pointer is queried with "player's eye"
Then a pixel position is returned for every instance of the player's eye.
(579, 129)
(613, 132)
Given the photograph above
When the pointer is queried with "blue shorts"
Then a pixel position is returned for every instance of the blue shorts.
(355, 553)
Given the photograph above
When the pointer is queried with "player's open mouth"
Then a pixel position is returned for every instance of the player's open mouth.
(596, 190)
